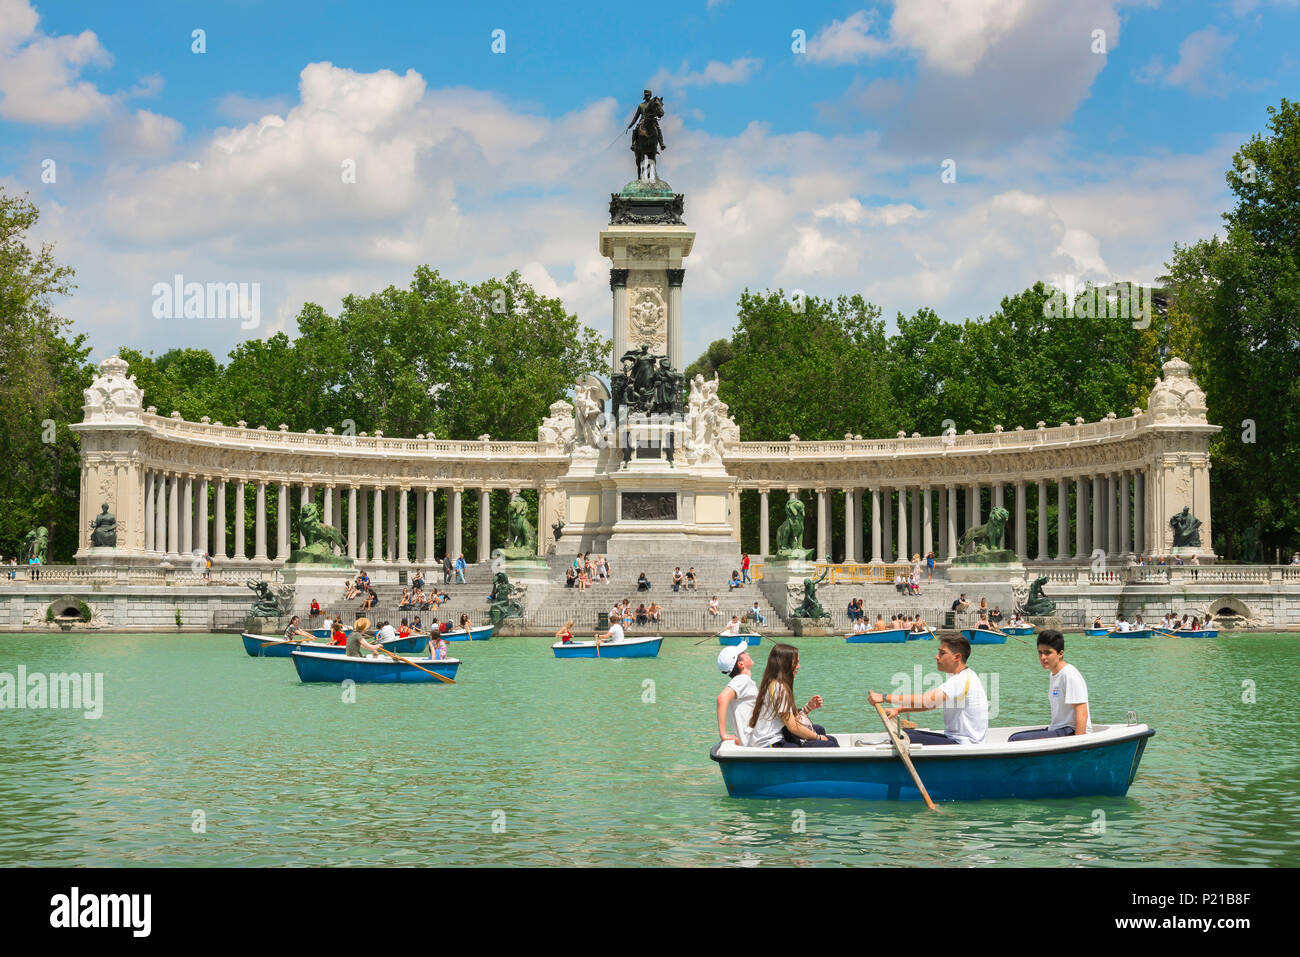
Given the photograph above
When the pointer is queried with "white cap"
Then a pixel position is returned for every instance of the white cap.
(729, 655)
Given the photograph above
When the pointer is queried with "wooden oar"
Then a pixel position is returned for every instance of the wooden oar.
(414, 665)
(901, 745)
(280, 641)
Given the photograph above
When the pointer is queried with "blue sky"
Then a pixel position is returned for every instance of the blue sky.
(817, 170)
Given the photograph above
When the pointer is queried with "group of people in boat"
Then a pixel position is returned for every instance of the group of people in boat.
(1170, 622)
(910, 623)
(356, 641)
(765, 714)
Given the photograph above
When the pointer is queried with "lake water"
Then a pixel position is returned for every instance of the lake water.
(205, 756)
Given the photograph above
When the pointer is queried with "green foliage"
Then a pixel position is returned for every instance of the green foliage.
(42, 375)
(717, 355)
(178, 618)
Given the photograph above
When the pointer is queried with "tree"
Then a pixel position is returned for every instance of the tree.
(42, 375)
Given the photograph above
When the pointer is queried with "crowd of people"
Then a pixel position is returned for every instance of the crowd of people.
(764, 714)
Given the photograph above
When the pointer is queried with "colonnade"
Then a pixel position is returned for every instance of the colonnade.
(890, 523)
(375, 521)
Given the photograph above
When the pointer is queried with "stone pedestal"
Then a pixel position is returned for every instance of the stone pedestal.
(808, 627)
(102, 557)
(1045, 622)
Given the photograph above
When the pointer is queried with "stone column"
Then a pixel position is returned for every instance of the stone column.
(203, 515)
(363, 532)
(419, 527)
(1098, 514)
(240, 488)
(1124, 549)
(327, 506)
(282, 523)
(1080, 518)
(377, 534)
(455, 545)
(259, 520)
(618, 285)
(1022, 517)
(1062, 519)
(352, 522)
(391, 551)
(973, 507)
(430, 534)
(823, 523)
(850, 555)
(941, 552)
(675, 279)
(403, 525)
(1042, 521)
(915, 537)
(173, 517)
(187, 515)
(902, 525)
(875, 527)
(1139, 513)
(887, 518)
(951, 533)
(303, 499)
(160, 513)
(149, 516)
(764, 524)
(927, 525)
(485, 525)
(219, 520)
(857, 526)
(1111, 519)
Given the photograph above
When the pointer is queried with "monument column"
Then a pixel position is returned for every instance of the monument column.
(850, 555)
(303, 499)
(282, 523)
(173, 517)
(455, 545)
(377, 534)
(1112, 518)
(203, 515)
(148, 511)
(1098, 512)
(902, 525)
(887, 519)
(941, 552)
(1124, 549)
(823, 523)
(327, 505)
(187, 515)
(1022, 543)
(927, 525)
(403, 525)
(1042, 521)
(219, 520)
(875, 527)
(675, 279)
(363, 521)
(618, 285)
(240, 487)
(1080, 519)
(973, 507)
(260, 524)
(391, 551)
(485, 525)
(419, 526)
(915, 537)
(430, 549)
(951, 532)
(857, 526)
(764, 524)
(352, 522)
(1139, 513)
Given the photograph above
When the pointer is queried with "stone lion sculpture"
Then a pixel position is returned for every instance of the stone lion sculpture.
(984, 538)
(789, 537)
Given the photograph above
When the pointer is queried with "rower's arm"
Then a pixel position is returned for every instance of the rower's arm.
(1081, 718)
(725, 698)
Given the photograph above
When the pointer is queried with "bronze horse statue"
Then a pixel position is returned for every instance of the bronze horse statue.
(647, 139)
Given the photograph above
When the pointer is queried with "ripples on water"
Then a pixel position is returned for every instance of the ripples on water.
(533, 761)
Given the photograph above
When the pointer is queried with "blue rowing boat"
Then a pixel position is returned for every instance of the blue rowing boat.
(891, 636)
(751, 640)
(1189, 633)
(480, 633)
(326, 633)
(315, 667)
(1021, 630)
(926, 635)
(866, 767)
(272, 646)
(979, 636)
(1095, 632)
(1139, 633)
(627, 648)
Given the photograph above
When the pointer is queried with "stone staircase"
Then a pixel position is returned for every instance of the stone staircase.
(684, 612)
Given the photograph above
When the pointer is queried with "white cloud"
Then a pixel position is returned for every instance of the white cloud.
(1199, 69)
(40, 75)
(142, 133)
(954, 36)
(847, 40)
(714, 73)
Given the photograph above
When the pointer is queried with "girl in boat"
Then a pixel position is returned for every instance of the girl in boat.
(437, 647)
(295, 633)
(1096, 622)
(465, 624)
(775, 723)
(565, 634)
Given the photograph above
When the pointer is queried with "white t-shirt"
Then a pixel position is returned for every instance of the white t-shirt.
(733, 628)
(767, 729)
(386, 633)
(1065, 689)
(615, 633)
(1121, 626)
(966, 709)
(742, 706)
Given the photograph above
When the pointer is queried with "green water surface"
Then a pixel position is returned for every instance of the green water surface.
(529, 760)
